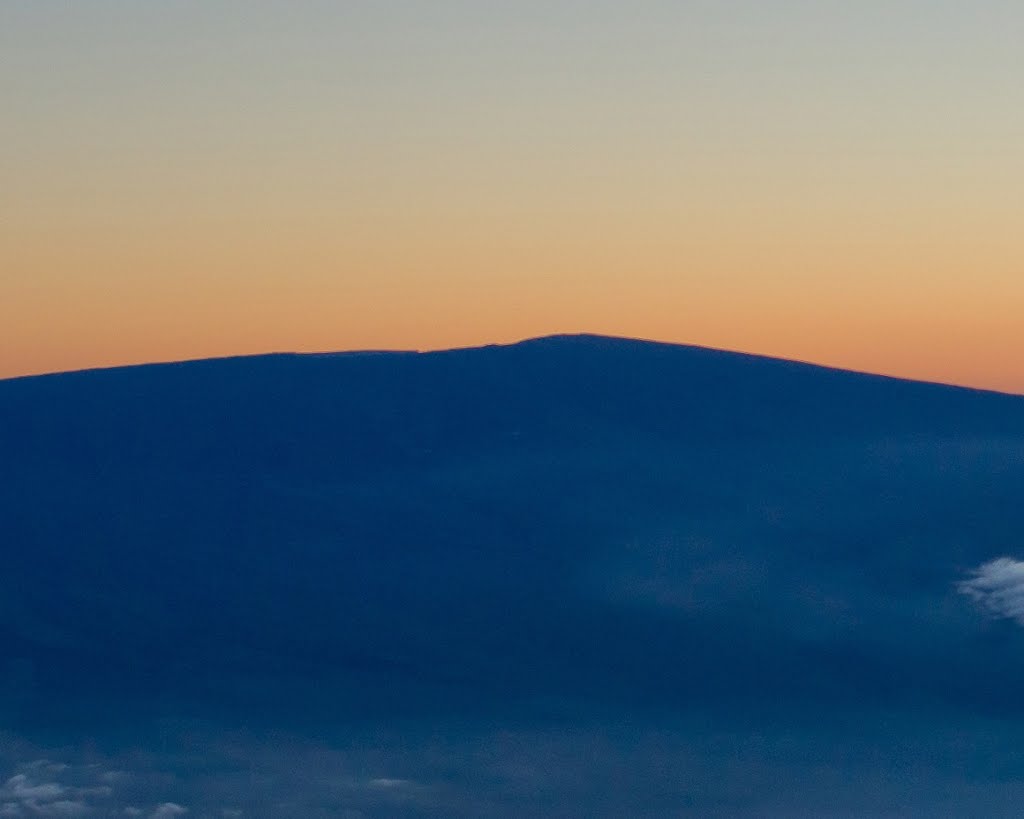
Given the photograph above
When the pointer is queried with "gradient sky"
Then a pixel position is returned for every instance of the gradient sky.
(837, 182)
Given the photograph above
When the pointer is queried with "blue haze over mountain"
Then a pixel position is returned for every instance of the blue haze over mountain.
(576, 576)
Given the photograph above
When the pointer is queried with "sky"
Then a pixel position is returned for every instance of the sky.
(829, 181)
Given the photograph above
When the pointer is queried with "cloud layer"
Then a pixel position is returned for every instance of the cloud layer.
(44, 788)
(998, 586)
(38, 791)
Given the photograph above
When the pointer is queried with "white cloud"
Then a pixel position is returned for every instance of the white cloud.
(22, 788)
(167, 810)
(998, 586)
(22, 796)
(29, 794)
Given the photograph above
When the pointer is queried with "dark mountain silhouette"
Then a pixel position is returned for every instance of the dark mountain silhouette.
(571, 531)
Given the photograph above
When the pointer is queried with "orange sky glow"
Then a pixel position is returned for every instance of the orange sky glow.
(835, 185)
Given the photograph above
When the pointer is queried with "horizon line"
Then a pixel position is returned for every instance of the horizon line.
(369, 352)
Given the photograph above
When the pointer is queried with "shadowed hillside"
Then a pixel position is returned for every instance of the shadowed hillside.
(616, 546)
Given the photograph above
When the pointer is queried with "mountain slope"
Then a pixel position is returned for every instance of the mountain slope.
(511, 533)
